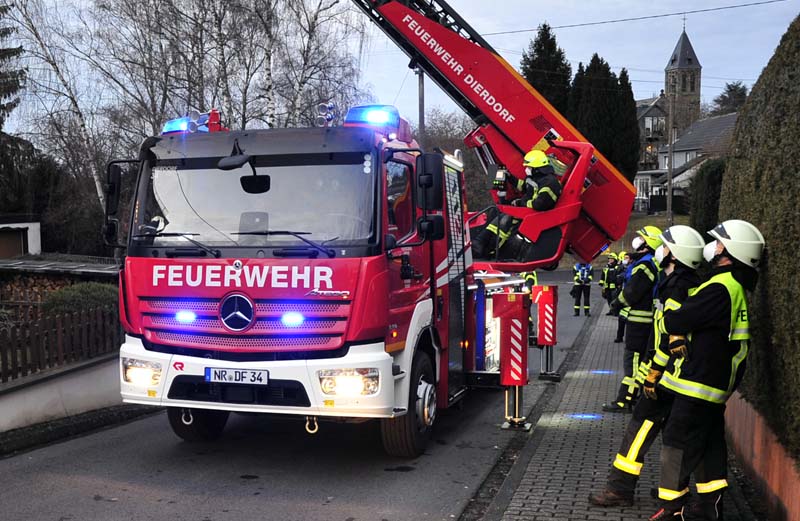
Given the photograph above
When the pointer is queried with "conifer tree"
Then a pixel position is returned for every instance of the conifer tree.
(627, 148)
(546, 68)
(11, 78)
(575, 93)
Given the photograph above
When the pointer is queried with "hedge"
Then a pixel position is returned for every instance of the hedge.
(762, 185)
(704, 196)
(84, 295)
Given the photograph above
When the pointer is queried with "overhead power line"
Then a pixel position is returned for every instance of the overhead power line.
(636, 18)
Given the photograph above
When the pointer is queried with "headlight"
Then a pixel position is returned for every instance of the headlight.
(349, 382)
(141, 373)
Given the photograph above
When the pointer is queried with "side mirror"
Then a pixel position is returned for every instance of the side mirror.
(110, 233)
(431, 228)
(255, 184)
(390, 241)
(430, 180)
(113, 188)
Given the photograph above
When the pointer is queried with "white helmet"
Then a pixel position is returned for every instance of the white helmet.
(742, 240)
(685, 244)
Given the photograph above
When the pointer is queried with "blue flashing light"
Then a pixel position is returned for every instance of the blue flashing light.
(584, 416)
(292, 319)
(186, 124)
(176, 125)
(378, 115)
(602, 371)
(185, 317)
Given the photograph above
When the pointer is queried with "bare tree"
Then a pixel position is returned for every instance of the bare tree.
(57, 86)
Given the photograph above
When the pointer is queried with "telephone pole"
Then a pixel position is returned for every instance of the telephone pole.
(670, 132)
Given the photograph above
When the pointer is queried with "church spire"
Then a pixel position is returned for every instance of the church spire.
(683, 57)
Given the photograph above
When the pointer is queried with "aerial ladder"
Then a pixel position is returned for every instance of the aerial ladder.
(512, 118)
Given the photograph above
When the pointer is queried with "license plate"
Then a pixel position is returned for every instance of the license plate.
(237, 376)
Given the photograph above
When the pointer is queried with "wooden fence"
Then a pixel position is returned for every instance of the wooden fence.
(48, 342)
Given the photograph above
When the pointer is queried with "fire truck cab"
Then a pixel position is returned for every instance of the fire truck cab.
(315, 272)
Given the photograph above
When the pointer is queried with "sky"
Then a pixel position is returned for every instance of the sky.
(733, 44)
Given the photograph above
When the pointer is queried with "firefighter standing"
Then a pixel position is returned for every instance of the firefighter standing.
(540, 190)
(623, 274)
(679, 256)
(582, 275)
(706, 370)
(638, 295)
(608, 280)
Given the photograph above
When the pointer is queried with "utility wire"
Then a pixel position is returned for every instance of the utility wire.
(401, 86)
(620, 20)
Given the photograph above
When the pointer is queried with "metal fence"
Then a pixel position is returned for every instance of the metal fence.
(47, 342)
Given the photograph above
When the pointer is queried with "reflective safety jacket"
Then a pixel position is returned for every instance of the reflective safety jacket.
(715, 320)
(671, 292)
(638, 291)
(541, 191)
(608, 279)
(582, 274)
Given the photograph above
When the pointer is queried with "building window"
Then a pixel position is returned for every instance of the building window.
(661, 124)
(674, 83)
(648, 126)
(683, 82)
(691, 82)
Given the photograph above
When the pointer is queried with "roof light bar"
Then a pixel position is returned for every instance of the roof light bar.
(374, 115)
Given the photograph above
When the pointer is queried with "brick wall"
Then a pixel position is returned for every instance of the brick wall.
(768, 464)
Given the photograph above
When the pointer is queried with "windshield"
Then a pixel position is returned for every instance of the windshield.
(330, 197)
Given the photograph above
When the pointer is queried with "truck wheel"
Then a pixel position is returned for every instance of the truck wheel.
(406, 436)
(203, 424)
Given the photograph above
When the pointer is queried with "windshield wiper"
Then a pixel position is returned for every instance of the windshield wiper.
(214, 253)
(319, 246)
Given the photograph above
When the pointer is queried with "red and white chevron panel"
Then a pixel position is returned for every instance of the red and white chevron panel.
(512, 310)
(546, 299)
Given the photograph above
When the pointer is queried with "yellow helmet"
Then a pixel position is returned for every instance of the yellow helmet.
(650, 235)
(612, 255)
(535, 159)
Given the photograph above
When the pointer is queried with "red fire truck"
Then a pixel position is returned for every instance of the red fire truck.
(326, 272)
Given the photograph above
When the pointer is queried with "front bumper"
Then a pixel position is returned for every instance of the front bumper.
(179, 372)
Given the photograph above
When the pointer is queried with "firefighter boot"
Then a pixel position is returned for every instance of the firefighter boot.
(707, 507)
(610, 498)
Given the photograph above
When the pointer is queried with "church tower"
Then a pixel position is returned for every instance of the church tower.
(682, 84)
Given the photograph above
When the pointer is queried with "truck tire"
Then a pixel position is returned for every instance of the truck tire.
(407, 436)
(205, 425)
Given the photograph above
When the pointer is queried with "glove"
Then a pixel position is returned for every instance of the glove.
(518, 202)
(642, 371)
(678, 346)
(649, 386)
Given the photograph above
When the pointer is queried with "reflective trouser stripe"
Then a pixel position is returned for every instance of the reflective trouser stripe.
(711, 486)
(628, 462)
(671, 495)
(627, 465)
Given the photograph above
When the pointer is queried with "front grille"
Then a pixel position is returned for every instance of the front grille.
(286, 393)
(244, 343)
(324, 326)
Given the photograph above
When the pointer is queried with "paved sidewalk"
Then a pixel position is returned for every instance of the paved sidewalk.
(569, 453)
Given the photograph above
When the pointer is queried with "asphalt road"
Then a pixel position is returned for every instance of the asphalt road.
(268, 468)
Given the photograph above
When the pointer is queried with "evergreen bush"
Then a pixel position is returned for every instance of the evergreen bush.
(704, 196)
(762, 185)
(82, 296)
